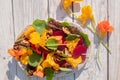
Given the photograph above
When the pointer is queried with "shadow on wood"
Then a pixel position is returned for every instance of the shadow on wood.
(15, 72)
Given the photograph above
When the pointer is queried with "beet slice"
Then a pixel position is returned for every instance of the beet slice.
(81, 42)
(79, 50)
(83, 57)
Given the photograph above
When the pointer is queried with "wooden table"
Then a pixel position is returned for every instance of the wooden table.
(16, 14)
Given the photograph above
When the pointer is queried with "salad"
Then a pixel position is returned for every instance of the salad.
(49, 47)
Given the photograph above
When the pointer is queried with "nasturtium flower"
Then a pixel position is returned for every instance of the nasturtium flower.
(68, 3)
(14, 53)
(39, 68)
(36, 38)
(74, 62)
(17, 53)
(72, 44)
(103, 28)
(49, 62)
(29, 51)
(40, 74)
(28, 31)
(25, 53)
(24, 59)
(87, 14)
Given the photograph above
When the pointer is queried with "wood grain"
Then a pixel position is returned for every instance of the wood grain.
(6, 40)
(25, 12)
(16, 14)
(114, 42)
(92, 70)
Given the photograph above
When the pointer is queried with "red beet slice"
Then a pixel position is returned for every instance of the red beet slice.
(79, 50)
(81, 42)
(83, 57)
(58, 33)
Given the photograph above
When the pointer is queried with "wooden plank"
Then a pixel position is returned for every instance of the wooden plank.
(56, 11)
(91, 70)
(114, 42)
(6, 40)
(25, 12)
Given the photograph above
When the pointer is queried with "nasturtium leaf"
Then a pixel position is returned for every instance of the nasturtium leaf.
(71, 37)
(49, 19)
(49, 73)
(66, 24)
(40, 25)
(34, 59)
(86, 39)
(52, 44)
(65, 69)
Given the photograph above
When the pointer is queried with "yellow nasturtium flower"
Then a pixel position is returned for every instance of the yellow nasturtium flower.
(24, 57)
(39, 68)
(28, 31)
(49, 62)
(68, 3)
(87, 14)
(72, 44)
(74, 62)
(36, 38)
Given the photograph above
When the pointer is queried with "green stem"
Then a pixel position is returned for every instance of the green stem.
(93, 24)
(106, 46)
(101, 41)
(56, 45)
(93, 31)
(100, 64)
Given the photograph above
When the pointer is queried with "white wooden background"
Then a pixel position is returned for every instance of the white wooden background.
(16, 14)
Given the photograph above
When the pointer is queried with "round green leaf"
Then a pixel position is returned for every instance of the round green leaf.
(34, 59)
(52, 44)
(40, 25)
(71, 37)
(66, 24)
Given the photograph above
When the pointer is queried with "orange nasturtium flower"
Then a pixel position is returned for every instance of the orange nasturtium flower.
(87, 14)
(49, 62)
(103, 28)
(68, 3)
(21, 54)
